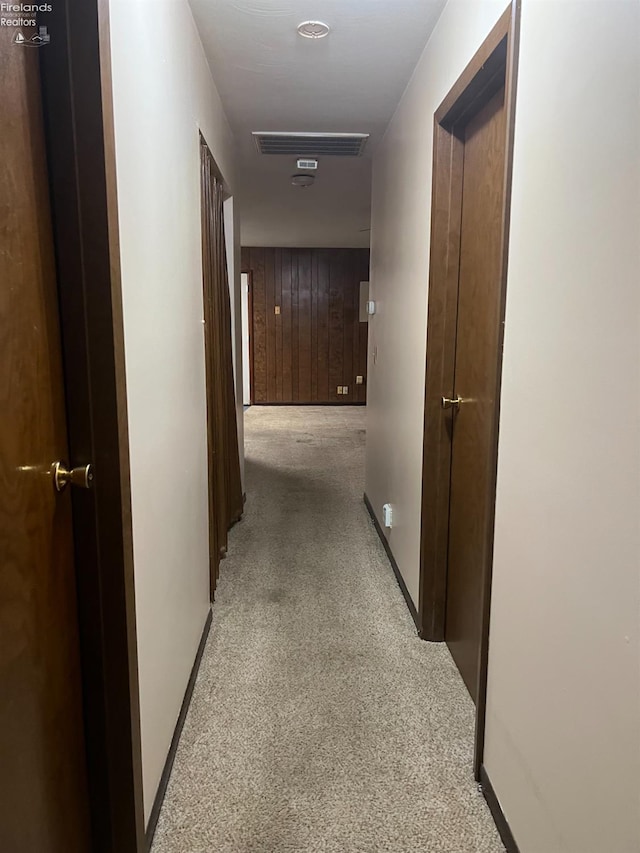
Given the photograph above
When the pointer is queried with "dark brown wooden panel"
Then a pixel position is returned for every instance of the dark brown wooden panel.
(259, 327)
(295, 336)
(314, 327)
(287, 384)
(360, 339)
(304, 326)
(323, 323)
(336, 324)
(349, 320)
(316, 342)
(278, 368)
(270, 318)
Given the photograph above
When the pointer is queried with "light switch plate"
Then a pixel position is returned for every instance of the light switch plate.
(277, 309)
(359, 380)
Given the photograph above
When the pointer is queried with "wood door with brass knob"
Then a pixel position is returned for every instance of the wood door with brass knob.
(470, 214)
(43, 790)
(475, 382)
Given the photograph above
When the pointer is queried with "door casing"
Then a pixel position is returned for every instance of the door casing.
(493, 65)
(77, 104)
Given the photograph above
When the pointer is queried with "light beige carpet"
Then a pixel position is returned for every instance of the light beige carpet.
(319, 721)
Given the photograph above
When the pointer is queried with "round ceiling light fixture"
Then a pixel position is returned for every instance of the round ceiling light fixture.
(313, 29)
(302, 180)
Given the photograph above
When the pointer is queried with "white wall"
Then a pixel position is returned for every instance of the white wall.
(335, 212)
(563, 714)
(401, 205)
(227, 211)
(163, 94)
(563, 725)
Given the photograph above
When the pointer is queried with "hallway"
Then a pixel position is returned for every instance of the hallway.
(319, 720)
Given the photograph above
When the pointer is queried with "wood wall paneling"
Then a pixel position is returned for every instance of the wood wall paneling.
(259, 327)
(317, 342)
(304, 327)
(336, 351)
(363, 328)
(323, 323)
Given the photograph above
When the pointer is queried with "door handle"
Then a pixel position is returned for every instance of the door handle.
(448, 403)
(81, 477)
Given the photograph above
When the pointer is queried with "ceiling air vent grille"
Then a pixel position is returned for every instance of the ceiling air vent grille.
(311, 144)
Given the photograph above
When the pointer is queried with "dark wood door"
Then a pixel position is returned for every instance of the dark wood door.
(476, 382)
(225, 486)
(43, 792)
(308, 340)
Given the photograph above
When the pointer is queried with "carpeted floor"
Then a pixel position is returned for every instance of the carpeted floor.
(319, 721)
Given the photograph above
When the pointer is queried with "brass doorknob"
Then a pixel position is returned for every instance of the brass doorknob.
(448, 403)
(81, 477)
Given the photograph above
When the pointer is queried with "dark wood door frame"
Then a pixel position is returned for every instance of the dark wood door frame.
(77, 104)
(225, 490)
(494, 65)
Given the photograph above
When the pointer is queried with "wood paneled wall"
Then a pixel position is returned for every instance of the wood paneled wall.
(316, 341)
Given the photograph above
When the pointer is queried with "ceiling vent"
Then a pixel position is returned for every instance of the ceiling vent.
(311, 144)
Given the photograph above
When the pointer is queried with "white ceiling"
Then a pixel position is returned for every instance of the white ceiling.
(269, 78)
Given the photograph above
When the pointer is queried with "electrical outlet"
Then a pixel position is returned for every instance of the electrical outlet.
(339, 389)
(345, 389)
(359, 380)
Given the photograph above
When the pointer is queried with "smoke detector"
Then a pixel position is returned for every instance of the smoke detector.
(302, 180)
(313, 29)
